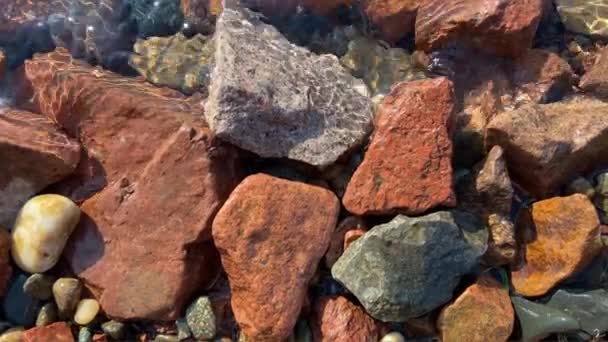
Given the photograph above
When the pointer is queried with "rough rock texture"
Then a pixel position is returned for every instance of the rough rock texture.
(176, 61)
(163, 170)
(595, 81)
(35, 153)
(547, 145)
(6, 270)
(584, 16)
(562, 237)
(56, 332)
(411, 145)
(337, 319)
(259, 233)
(538, 321)
(502, 27)
(483, 312)
(336, 245)
(590, 308)
(279, 100)
(394, 18)
(407, 267)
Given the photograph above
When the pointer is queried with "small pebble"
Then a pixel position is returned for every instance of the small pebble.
(580, 186)
(41, 231)
(393, 337)
(86, 311)
(66, 292)
(12, 335)
(47, 315)
(85, 335)
(166, 338)
(39, 286)
(114, 329)
(201, 319)
(183, 330)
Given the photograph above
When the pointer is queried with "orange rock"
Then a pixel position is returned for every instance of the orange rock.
(336, 319)
(563, 236)
(56, 332)
(351, 236)
(483, 312)
(336, 246)
(394, 18)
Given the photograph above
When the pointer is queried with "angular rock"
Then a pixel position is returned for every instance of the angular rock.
(37, 153)
(163, 169)
(563, 238)
(595, 81)
(56, 332)
(590, 308)
(6, 271)
(259, 233)
(281, 100)
(336, 245)
(337, 319)
(499, 27)
(538, 321)
(547, 145)
(586, 17)
(407, 267)
(411, 145)
(482, 312)
(394, 18)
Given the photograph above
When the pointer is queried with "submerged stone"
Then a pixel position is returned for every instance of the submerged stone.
(590, 308)
(538, 321)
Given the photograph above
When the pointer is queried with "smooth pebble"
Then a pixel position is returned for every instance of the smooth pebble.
(66, 292)
(86, 311)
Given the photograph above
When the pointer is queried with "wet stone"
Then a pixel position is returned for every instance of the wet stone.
(590, 308)
(538, 321)
(66, 292)
(39, 286)
(47, 315)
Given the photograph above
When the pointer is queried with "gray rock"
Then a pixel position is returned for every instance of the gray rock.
(85, 335)
(589, 308)
(66, 292)
(183, 330)
(39, 286)
(602, 184)
(47, 315)
(20, 308)
(538, 321)
(201, 319)
(409, 266)
(114, 329)
(279, 100)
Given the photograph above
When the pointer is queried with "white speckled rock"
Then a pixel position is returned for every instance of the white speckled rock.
(41, 231)
(86, 311)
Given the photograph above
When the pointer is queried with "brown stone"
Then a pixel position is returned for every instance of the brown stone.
(351, 236)
(336, 319)
(411, 145)
(562, 236)
(483, 312)
(499, 27)
(548, 145)
(336, 246)
(394, 18)
(143, 245)
(271, 234)
(34, 153)
(56, 332)
(6, 270)
(595, 81)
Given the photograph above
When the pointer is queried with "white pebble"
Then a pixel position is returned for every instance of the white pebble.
(86, 311)
(41, 231)
(393, 337)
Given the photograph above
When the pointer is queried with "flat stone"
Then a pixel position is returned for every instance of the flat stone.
(38, 153)
(56, 332)
(586, 17)
(564, 237)
(337, 319)
(259, 233)
(411, 144)
(595, 81)
(18, 307)
(548, 145)
(538, 321)
(394, 18)
(499, 27)
(396, 270)
(6, 271)
(482, 312)
(282, 101)
(165, 171)
(590, 308)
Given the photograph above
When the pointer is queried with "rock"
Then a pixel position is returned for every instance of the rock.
(86, 311)
(56, 332)
(395, 19)
(199, 15)
(41, 231)
(590, 308)
(337, 319)
(39, 286)
(496, 26)
(352, 236)
(20, 13)
(165, 338)
(12, 335)
(156, 18)
(47, 315)
(175, 62)
(18, 307)
(336, 245)
(39, 154)
(183, 330)
(85, 335)
(165, 152)
(201, 319)
(547, 145)
(393, 337)
(395, 271)
(595, 81)
(258, 231)
(282, 100)
(375, 186)
(66, 292)
(602, 184)
(114, 329)
(2, 65)
(565, 238)
(580, 186)
(6, 271)
(482, 312)
(538, 321)
(584, 17)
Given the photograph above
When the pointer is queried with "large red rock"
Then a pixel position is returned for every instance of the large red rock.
(6, 270)
(407, 167)
(34, 153)
(499, 27)
(546, 146)
(143, 246)
(336, 319)
(271, 234)
(394, 18)
(56, 332)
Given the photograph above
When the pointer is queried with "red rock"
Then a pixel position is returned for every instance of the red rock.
(595, 81)
(143, 246)
(394, 18)
(34, 153)
(499, 27)
(411, 145)
(6, 270)
(351, 236)
(546, 146)
(336, 246)
(260, 233)
(336, 319)
(56, 332)
(99, 338)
